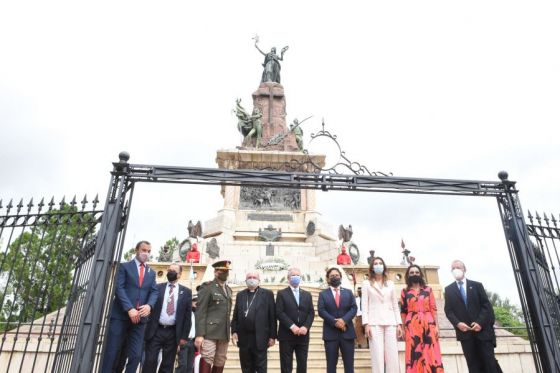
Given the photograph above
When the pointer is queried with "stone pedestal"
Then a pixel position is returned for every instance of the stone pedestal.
(298, 237)
(270, 99)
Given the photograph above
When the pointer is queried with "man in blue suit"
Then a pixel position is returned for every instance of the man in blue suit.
(337, 307)
(136, 294)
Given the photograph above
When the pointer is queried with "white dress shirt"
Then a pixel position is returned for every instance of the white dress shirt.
(164, 318)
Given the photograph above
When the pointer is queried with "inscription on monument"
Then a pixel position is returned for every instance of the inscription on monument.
(276, 199)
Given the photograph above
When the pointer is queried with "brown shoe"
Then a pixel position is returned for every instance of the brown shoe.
(216, 369)
(204, 367)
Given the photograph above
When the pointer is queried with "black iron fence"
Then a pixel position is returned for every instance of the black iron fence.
(544, 233)
(44, 249)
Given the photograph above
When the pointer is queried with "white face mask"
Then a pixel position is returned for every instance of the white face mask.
(143, 257)
(378, 268)
(458, 273)
(252, 282)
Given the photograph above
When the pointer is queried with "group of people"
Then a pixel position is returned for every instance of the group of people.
(466, 306)
(149, 319)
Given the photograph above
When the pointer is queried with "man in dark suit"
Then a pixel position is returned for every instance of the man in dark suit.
(337, 307)
(467, 307)
(169, 324)
(295, 313)
(253, 325)
(136, 294)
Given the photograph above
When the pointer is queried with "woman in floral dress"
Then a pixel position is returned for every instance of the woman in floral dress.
(419, 316)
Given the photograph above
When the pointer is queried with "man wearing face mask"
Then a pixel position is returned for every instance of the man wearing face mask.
(136, 294)
(337, 307)
(212, 320)
(467, 307)
(170, 323)
(295, 314)
(253, 325)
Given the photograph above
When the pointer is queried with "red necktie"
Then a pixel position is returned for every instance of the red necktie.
(337, 297)
(171, 301)
(141, 279)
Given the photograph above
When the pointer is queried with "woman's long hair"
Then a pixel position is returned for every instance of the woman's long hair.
(406, 276)
(372, 274)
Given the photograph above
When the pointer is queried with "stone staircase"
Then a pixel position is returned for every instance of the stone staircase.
(316, 362)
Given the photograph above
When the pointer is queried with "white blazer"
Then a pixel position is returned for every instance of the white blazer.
(379, 304)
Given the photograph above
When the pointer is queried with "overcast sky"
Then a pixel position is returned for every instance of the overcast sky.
(436, 89)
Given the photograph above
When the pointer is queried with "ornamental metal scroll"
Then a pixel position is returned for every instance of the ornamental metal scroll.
(343, 164)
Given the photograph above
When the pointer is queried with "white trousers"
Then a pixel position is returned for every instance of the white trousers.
(384, 349)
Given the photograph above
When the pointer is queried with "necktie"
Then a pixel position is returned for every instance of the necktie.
(171, 301)
(141, 278)
(296, 294)
(463, 292)
(337, 296)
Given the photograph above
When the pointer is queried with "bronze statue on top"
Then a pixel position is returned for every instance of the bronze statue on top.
(271, 64)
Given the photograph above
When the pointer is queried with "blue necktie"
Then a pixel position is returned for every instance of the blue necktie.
(463, 292)
(296, 294)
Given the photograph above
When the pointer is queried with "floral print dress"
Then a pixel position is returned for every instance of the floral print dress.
(419, 314)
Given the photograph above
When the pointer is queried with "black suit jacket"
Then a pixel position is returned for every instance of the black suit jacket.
(289, 313)
(182, 313)
(265, 318)
(478, 309)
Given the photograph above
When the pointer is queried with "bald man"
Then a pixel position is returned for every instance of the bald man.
(253, 326)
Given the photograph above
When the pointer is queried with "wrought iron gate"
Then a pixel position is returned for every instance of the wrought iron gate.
(44, 248)
(81, 339)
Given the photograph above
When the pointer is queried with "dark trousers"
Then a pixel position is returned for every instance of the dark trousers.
(164, 339)
(346, 347)
(287, 349)
(119, 332)
(252, 360)
(185, 358)
(479, 355)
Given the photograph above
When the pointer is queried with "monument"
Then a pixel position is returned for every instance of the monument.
(266, 228)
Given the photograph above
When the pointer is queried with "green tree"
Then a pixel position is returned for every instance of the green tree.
(37, 266)
(507, 315)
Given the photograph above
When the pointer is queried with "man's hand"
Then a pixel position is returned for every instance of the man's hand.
(145, 310)
(303, 330)
(463, 327)
(182, 342)
(234, 339)
(271, 342)
(340, 324)
(295, 329)
(476, 327)
(198, 341)
(134, 315)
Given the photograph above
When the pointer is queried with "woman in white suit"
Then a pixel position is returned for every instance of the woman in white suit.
(381, 318)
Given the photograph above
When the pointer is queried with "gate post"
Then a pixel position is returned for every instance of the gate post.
(532, 281)
(84, 355)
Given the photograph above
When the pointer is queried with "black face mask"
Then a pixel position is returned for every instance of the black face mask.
(414, 280)
(171, 276)
(335, 282)
(223, 276)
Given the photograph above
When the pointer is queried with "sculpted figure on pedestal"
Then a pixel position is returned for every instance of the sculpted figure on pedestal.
(271, 64)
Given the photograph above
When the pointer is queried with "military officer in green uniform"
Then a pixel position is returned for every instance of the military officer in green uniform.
(212, 318)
